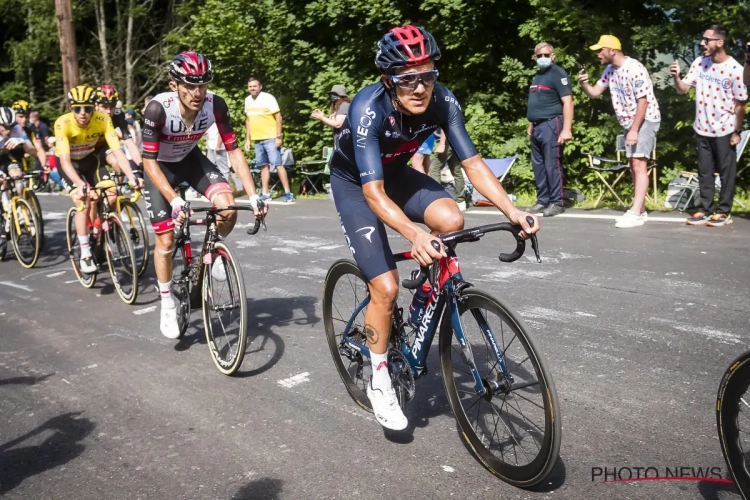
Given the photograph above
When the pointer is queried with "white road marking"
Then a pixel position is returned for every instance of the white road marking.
(587, 216)
(66, 381)
(71, 281)
(588, 315)
(448, 468)
(15, 285)
(54, 215)
(145, 310)
(711, 333)
(285, 250)
(294, 380)
(59, 273)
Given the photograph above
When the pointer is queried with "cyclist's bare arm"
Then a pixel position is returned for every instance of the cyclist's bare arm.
(135, 153)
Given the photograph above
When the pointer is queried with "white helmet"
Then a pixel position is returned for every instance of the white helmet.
(7, 116)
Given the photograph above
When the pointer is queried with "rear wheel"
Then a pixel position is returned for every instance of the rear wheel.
(25, 234)
(514, 427)
(74, 250)
(181, 288)
(122, 266)
(135, 225)
(733, 421)
(225, 309)
(344, 290)
(30, 196)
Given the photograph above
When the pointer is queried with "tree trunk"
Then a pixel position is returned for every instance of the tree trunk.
(130, 84)
(101, 28)
(66, 34)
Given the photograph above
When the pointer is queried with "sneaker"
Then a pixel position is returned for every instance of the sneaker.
(264, 198)
(461, 206)
(192, 194)
(86, 264)
(630, 219)
(218, 270)
(718, 220)
(288, 197)
(553, 210)
(699, 218)
(168, 326)
(643, 215)
(537, 209)
(386, 409)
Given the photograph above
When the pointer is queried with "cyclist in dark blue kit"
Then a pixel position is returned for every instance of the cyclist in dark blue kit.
(372, 184)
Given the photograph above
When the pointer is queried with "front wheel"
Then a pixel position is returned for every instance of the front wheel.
(733, 421)
(135, 225)
(25, 234)
(512, 420)
(74, 250)
(181, 287)
(225, 309)
(30, 196)
(120, 259)
(344, 292)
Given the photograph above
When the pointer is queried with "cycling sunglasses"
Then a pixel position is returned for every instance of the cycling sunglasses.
(411, 81)
(88, 109)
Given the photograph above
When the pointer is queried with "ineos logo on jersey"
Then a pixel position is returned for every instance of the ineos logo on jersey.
(364, 124)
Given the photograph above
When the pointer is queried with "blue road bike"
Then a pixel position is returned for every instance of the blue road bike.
(499, 389)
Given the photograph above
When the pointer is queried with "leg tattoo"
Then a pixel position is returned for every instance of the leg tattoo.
(372, 335)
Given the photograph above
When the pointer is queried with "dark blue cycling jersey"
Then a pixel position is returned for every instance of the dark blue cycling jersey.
(377, 141)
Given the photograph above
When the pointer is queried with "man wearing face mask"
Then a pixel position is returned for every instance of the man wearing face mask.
(550, 115)
(637, 111)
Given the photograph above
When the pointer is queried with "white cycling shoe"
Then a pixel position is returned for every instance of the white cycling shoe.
(386, 408)
(87, 265)
(168, 326)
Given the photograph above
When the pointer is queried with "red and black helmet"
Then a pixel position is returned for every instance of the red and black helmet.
(191, 67)
(405, 46)
(106, 94)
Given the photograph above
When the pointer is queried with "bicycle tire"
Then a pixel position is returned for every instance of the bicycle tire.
(539, 467)
(74, 250)
(29, 225)
(356, 382)
(236, 292)
(730, 401)
(116, 238)
(4, 240)
(136, 229)
(30, 196)
(180, 290)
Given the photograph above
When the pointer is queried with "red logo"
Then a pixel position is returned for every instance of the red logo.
(392, 120)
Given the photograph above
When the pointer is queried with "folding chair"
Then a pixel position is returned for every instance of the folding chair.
(287, 163)
(744, 138)
(619, 166)
(313, 172)
(500, 167)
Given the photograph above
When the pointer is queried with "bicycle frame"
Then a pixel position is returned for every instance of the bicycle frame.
(446, 294)
(212, 235)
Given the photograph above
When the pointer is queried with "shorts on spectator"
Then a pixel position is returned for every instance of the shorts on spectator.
(646, 140)
(266, 153)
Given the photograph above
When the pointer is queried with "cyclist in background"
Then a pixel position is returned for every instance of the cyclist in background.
(13, 141)
(34, 148)
(80, 137)
(106, 102)
(373, 186)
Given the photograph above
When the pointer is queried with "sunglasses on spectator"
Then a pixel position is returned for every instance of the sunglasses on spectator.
(706, 39)
(88, 109)
(542, 55)
(411, 81)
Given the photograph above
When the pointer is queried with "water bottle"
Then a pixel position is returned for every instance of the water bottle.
(418, 303)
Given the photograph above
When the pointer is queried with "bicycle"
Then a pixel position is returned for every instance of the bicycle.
(109, 240)
(733, 421)
(135, 224)
(29, 194)
(21, 225)
(494, 361)
(193, 282)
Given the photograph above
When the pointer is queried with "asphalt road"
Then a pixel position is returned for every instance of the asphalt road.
(637, 327)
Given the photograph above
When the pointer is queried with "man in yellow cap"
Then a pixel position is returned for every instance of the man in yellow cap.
(637, 111)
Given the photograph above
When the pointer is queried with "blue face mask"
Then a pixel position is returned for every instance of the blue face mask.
(544, 62)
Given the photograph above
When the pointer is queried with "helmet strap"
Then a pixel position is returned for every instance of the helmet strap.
(394, 97)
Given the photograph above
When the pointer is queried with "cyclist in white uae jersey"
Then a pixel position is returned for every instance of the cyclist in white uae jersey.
(174, 123)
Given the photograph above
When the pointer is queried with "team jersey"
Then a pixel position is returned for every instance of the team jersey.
(118, 121)
(15, 154)
(718, 87)
(627, 84)
(376, 140)
(166, 138)
(79, 142)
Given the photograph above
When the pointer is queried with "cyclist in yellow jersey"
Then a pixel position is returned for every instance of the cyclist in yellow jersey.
(78, 135)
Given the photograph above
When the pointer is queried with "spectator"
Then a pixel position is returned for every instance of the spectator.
(637, 111)
(146, 100)
(216, 152)
(421, 159)
(134, 128)
(746, 72)
(444, 154)
(41, 130)
(263, 125)
(54, 173)
(550, 115)
(340, 101)
(720, 95)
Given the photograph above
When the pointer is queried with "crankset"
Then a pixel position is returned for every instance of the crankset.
(401, 376)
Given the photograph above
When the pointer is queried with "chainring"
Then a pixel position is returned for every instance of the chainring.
(401, 376)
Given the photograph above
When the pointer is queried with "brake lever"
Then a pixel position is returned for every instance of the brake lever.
(534, 241)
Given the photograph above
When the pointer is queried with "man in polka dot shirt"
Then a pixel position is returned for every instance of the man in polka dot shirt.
(720, 96)
(637, 111)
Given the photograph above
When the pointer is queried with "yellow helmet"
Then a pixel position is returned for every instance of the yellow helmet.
(81, 94)
(21, 107)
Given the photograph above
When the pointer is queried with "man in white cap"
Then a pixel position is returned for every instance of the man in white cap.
(637, 111)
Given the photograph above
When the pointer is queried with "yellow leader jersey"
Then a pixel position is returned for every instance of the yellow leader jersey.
(79, 142)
